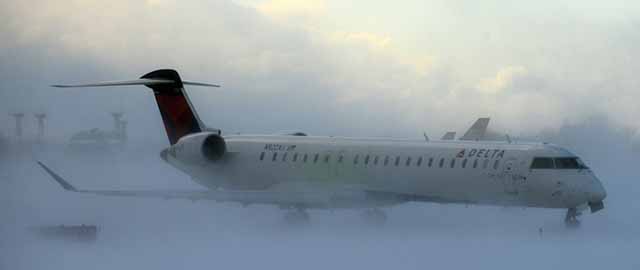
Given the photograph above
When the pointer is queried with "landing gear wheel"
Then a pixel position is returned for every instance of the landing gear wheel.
(297, 217)
(571, 219)
(374, 216)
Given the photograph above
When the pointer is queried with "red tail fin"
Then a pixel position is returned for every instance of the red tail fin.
(177, 112)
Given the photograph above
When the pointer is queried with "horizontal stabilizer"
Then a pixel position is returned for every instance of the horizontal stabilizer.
(146, 82)
(200, 84)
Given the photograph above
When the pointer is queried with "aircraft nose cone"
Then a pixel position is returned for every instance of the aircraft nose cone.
(597, 192)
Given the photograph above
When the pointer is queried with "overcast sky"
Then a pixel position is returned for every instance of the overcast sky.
(354, 68)
(358, 68)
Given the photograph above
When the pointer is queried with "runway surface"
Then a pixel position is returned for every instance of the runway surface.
(143, 233)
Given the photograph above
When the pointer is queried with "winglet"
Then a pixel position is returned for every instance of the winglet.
(58, 179)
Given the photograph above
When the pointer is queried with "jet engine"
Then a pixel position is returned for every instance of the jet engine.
(199, 148)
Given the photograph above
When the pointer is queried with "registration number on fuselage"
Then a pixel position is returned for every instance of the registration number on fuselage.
(279, 147)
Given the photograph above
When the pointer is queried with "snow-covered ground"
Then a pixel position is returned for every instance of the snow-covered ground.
(139, 233)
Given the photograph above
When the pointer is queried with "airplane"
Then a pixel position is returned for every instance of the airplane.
(297, 172)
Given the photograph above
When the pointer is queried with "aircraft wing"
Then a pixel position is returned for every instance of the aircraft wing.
(477, 130)
(309, 199)
(193, 195)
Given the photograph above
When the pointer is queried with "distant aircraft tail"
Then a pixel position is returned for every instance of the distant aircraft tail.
(477, 131)
(176, 109)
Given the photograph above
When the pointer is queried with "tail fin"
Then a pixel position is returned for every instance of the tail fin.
(177, 112)
(477, 130)
(176, 109)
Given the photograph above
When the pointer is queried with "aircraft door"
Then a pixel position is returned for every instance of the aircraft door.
(512, 180)
(336, 158)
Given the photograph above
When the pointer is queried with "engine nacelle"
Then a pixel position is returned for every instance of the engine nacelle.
(199, 148)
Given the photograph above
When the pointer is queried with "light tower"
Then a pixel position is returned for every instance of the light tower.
(123, 131)
(18, 117)
(40, 118)
(119, 125)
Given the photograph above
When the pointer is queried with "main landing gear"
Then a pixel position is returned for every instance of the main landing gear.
(374, 216)
(571, 219)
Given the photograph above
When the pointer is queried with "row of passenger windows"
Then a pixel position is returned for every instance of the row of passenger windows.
(557, 163)
(382, 161)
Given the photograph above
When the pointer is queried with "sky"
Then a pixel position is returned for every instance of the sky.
(328, 67)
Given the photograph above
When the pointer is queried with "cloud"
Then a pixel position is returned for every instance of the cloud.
(373, 40)
(293, 10)
(317, 76)
(503, 79)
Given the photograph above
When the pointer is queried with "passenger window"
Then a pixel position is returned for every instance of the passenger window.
(262, 156)
(496, 164)
(453, 163)
(464, 163)
(485, 164)
(355, 160)
(284, 157)
(295, 157)
(397, 161)
(475, 163)
(430, 162)
(386, 160)
(441, 162)
(375, 160)
(275, 155)
(326, 158)
(304, 159)
(366, 160)
(315, 158)
(542, 163)
(408, 162)
(419, 162)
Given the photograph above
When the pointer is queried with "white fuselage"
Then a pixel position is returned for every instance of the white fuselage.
(496, 173)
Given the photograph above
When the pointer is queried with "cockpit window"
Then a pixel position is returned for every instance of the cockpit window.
(542, 163)
(560, 163)
(569, 163)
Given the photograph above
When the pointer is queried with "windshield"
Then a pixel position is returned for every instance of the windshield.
(558, 163)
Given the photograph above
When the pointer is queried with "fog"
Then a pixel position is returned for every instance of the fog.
(144, 233)
(543, 71)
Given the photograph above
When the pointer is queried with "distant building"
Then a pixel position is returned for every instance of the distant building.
(98, 139)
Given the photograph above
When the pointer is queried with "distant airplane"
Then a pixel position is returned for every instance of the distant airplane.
(299, 172)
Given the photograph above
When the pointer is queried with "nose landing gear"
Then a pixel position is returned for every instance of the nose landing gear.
(571, 219)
